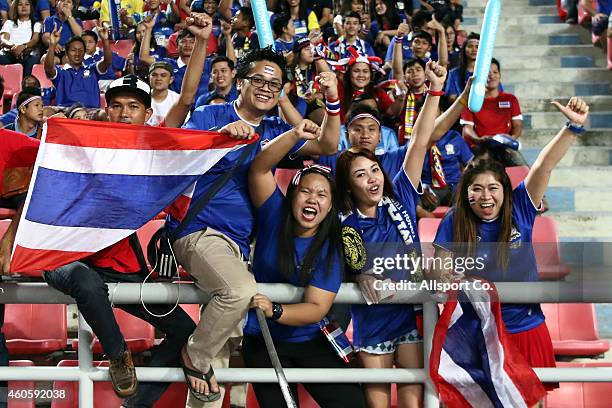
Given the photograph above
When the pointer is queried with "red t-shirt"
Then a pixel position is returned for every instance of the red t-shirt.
(495, 116)
(120, 257)
(382, 98)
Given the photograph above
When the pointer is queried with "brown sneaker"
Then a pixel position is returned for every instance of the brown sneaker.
(123, 374)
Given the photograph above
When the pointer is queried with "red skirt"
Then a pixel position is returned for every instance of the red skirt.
(536, 346)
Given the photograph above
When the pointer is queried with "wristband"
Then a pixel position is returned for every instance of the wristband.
(435, 93)
(277, 311)
(399, 39)
(332, 107)
(575, 127)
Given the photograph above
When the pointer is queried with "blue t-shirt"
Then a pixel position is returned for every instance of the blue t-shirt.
(231, 97)
(179, 70)
(454, 84)
(54, 21)
(283, 46)
(118, 64)
(522, 263)
(9, 117)
(265, 269)
(407, 51)
(383, 322)
(388, 140)
(77, 85)
(455, 152)
(391, 160)
(230, 210)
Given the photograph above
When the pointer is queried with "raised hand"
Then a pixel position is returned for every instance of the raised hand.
(403, 29)
(103, 33)
(576, 110)
(328, 83)
(200, 25)
(226, 29)
(149, 21)
(238, 130)
(435, 25)
(436, 74)
(55, 36)
(307, 130)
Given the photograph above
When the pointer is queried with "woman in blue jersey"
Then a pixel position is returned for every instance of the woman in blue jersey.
(380, 211)
(495, 223)
(298, 242)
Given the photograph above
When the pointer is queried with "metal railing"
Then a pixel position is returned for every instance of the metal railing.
(86, 374)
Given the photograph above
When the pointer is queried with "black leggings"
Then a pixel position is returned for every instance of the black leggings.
(317, 353)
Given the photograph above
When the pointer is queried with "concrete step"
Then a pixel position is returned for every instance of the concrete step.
(510, 29)
(532, 90)
(505, 52)
(525, 19)
(582, 199)
(540, 137)
(571, 61)
(597, 103)
(537, 120)
(583, 224)
(527, 4)
(586, 176)
(576, 156)
(511, 9)
(560, 74)
(543, 39)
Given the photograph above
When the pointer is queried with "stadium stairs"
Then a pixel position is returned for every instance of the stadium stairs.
(543, 58)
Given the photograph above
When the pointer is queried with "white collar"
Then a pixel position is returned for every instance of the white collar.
(243, 119)
(180, 63)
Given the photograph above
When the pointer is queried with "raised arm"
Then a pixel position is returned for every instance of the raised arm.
(6, 244)
(536, 181)
(448, 118)
(261, 179)
(423, 128)
(77, 30)
(200, 24)
(442, 47)
(230, 52)
(225, 9)
(145, 52)
(54, 38)
(288, 112)
(397, 61)
(327, 142)
(103, 65)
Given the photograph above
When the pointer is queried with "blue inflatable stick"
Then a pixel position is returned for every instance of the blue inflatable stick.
(485, 53)
(262, 23)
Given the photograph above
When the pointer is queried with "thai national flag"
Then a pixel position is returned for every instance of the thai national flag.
(96, 183)
(473, 363)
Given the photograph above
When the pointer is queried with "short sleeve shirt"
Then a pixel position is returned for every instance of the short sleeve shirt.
(495, 116)
(77, 85)
(54, 21)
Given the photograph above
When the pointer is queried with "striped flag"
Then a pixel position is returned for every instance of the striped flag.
(473, 362)
(96, 183)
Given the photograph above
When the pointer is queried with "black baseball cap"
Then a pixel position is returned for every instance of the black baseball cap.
(130, 84)
(301, 43)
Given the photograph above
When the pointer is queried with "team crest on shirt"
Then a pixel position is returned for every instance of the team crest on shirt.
(515, 238)
(86, 73)
(504, 104)
(264, 142)
(354, 250)
(450, 149)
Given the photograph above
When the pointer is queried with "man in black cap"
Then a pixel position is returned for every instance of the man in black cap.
(129, 101)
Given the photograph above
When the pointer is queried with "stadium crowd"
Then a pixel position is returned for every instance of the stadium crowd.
(365, 101)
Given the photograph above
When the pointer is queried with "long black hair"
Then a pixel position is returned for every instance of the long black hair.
(329, 231)
(463, 62)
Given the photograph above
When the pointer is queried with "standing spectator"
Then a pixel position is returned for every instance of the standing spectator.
(163, 27)
(285, 32)
(65, 24)
(351, 26)
(323, 9)
(500, 114)
(422, 21)
(20, 36)
(600, 16)
(93, 55)
(303, 95)
(385, 24)
(454, 14)
(162, 98)
(30, 118)
(156, 52)
(244, 39)
(458, 77)
(414, 78)
(222, 75)
(129, 8)
(454, 51)
(76, 82)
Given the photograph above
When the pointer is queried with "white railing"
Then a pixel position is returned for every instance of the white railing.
(86, 374)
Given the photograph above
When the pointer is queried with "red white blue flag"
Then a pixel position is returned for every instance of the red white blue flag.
(96, 183)
(473, 362)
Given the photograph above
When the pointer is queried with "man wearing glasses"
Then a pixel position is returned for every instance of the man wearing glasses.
(214, 247)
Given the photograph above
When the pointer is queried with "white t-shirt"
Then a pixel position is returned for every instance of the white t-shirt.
(21, 32)
(160, 109)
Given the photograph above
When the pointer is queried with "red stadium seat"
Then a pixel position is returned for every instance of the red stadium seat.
(17, 388)
(193, 311)
(573, 329)
(14, 100)
(517, 174)
(440, 211)
(12, 75)
(427, 233)
(4, 224)
(283, 178)
(104, 396)
(102, 101)
(35, 329)
(175, 396)
(138, 334)
(39, 72)
(89, 24)
(122, 47)
(578, 395)
(5, 213)
(546, 247)
(146, 232)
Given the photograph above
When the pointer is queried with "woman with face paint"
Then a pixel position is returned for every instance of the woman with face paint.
(298, 242)
(379, 223)
(492, 222)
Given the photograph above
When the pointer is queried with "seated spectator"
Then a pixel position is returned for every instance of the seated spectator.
(41, 10)
(162, 98)
(305, 20)
(77, 111)
(454, 51)
(355, 6)
(284, 30)
(413, 76)
(384, 25)
(222, 75)
(65, 24)
(20, 36)
(351, 26)
(163, 27)
(244, 38)
(303, 95)
(324, 10)
(457, 77)
(93, 54)
(29, 81)
(453, 14)
(128, 9)
(500, 114)
(422, 21)
(600, 16)
(75, 81)
(133, 63)
(30, 113)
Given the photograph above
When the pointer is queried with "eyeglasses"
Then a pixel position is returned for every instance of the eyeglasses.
(259, 82)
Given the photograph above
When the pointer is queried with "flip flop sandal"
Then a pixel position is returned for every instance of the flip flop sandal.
(211, 396)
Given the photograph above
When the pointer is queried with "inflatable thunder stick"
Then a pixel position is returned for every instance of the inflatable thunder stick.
(485, 53)
(262, 23)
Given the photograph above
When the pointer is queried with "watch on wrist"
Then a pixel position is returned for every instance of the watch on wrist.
(277, 311)
(575, 127)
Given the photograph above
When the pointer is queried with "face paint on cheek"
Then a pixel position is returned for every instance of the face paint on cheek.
(472, 201)
(269, 69)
